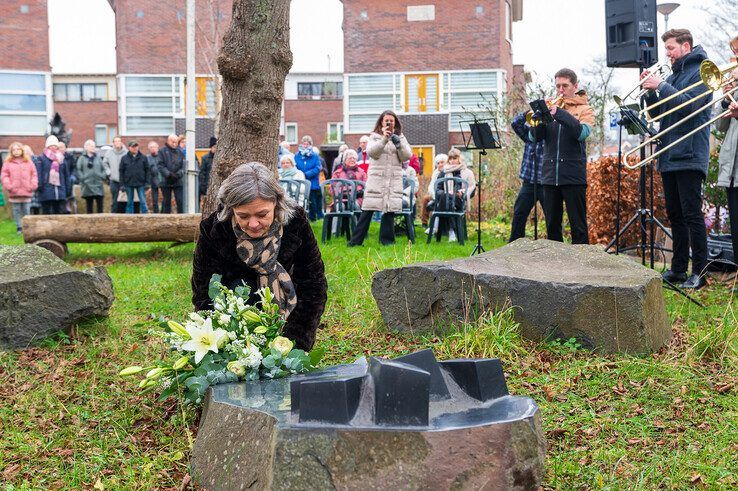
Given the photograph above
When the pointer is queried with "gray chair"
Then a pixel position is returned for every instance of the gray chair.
(451, 206)
(297, 189)
(339, 203)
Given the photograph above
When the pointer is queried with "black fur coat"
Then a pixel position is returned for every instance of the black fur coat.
(215, 252)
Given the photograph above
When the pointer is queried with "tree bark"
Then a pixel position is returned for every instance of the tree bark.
(109, 228)
(253, 62)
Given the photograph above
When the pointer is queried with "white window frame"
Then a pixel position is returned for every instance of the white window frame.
(508, 22)
(447, 94)
(110, 133)
(444, 89)
(398, 94)
(339, 131)
(47, 93)
(124, 114)
(287, 125)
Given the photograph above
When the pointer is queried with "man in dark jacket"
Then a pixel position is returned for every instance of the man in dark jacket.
(154, 175)
(564, 168)
(205, 165)
(530, 173)
(134, 175)
(171, 162)
(684, 166)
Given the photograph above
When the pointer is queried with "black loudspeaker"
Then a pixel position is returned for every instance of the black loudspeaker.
(632, 40)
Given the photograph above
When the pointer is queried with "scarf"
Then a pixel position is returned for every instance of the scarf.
(287, 173)
(55, 157)
(260, 254)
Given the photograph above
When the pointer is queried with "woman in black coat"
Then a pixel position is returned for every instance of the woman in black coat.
(261, 237)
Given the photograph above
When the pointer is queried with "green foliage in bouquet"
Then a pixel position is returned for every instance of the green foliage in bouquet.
(234, 341)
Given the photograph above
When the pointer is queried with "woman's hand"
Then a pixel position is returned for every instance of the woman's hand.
(387, 133)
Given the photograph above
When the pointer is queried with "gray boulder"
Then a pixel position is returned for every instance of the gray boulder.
(558, 291)
(40, 295)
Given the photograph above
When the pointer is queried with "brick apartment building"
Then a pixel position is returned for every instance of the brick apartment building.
(25, 73)
(427, 63)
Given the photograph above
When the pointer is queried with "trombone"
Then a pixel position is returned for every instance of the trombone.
(660, 70)
(710, 74)
(713, 85)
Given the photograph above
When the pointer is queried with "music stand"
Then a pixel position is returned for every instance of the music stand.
(480, 136)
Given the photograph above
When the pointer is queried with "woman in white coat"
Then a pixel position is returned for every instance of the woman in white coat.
(388, 149)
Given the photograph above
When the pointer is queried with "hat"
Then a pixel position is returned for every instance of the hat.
(213, 141)
(52, 141)
(133, 143)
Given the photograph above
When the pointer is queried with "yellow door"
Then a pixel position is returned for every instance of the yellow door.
(421, 93)
(426, 156)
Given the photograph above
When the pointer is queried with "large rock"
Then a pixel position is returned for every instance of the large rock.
(261, 435)
(609, 303)
(40, 295)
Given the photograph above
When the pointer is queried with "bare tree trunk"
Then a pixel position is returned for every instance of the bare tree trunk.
(254, 62)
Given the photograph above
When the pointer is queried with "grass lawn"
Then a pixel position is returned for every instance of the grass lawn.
(611, 422)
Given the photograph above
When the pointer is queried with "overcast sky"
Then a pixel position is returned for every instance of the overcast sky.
(317, 45)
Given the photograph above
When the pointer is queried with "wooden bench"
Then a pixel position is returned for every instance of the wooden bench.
(53, 232)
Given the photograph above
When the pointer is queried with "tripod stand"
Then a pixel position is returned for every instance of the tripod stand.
(480, 137)
(643, 215)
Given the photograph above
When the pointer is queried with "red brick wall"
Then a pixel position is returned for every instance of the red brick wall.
(36, 142)
(312, 117)
(24, 38)
(155, 42)
(458, 39)
(83, 116)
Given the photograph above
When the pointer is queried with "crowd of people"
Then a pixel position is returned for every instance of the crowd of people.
(44, 184)
(385, 172)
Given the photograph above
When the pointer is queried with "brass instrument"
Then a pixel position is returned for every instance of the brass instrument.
(713, 77)
(532, 121)
(660, 70)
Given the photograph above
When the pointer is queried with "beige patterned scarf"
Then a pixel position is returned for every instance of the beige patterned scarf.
(261, 255)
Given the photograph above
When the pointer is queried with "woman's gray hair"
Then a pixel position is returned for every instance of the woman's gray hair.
(350, 153)
(252, 181)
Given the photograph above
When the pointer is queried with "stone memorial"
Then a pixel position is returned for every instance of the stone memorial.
(608, 303)
(406, 423)
(41, 295)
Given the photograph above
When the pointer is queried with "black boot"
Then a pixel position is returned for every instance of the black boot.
(694, 282)
(673, 277)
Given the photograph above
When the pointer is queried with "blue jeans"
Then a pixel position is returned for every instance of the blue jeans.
(19, 211)
(141, 198)
(315, 210)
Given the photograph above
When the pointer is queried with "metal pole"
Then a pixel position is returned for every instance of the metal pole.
(190, 188)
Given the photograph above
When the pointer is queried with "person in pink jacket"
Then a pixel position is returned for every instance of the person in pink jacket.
(20, 180)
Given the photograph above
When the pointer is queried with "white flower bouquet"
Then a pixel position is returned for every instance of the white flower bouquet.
(234, 341)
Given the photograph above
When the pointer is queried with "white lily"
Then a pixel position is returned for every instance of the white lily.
(203, 339)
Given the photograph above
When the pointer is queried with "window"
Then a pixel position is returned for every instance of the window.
(368, 96)
(319, 90)
(477, 90)
(421, 13)
(149, 104)
(334, 133)
(104, 134)
(80, 92)
(290, 133)
(23, 103)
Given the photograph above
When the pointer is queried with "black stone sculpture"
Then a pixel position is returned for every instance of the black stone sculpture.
(406, 423)
(395, 392)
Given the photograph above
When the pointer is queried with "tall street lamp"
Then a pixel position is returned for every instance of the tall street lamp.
(666, 9)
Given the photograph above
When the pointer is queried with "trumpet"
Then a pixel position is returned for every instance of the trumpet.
(533, 121)
(660, 70)
(712, 76)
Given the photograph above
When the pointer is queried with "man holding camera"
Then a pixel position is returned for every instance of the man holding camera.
(684, 166)
(564, 167)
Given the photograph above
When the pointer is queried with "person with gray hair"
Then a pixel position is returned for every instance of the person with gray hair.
(92, 171)
(260, 237)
